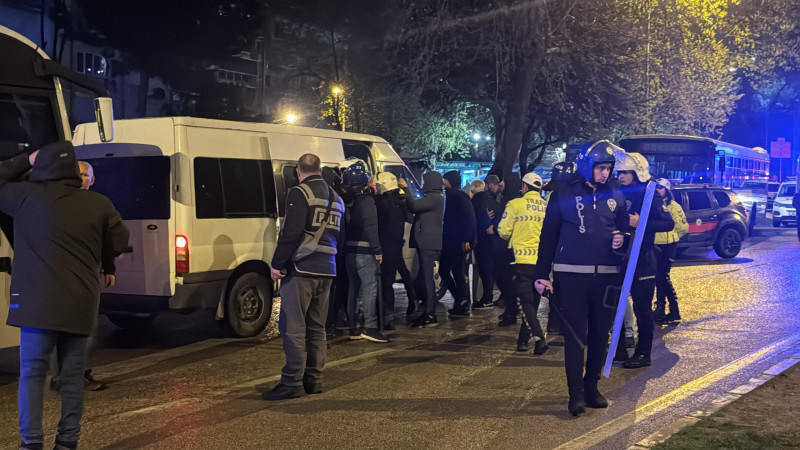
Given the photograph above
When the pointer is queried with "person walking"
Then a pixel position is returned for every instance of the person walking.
(504, 256)
(74, 228)
(667, 243)
(363, 252)
(305, 262)
(796, 205)
(458, 238)
(521, 226)
(393, 215)
(426, 238)
(582, 229)
(634, 174)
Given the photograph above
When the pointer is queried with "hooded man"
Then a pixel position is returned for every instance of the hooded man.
(426, 237)
(458, 239)
(55, 300)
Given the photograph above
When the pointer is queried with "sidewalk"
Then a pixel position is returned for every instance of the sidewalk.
(767, 417)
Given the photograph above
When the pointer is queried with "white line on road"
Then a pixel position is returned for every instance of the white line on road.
(643, 412)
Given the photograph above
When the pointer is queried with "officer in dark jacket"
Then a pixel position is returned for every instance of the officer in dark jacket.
(582, 228)
(426, 237)
(363, 253)
(60, 233)
(634, 175)
(392, 218)
(796, 206)
(458, 238)
(305, 261)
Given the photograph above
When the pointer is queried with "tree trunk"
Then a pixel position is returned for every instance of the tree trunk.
(518, 104)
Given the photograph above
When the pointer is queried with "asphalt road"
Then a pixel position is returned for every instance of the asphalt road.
(184, 384)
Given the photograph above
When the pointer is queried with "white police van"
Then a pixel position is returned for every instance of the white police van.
(203, 199)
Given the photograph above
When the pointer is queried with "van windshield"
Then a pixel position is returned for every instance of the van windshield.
(137, 186)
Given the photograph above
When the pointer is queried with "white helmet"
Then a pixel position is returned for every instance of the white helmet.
(635, 163)
(386, 181)
(533, 179)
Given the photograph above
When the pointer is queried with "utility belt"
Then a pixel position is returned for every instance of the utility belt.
(576, 268)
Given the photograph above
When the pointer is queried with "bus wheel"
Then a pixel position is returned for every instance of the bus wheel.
(129, 322)
(249, 304)
(728, 244)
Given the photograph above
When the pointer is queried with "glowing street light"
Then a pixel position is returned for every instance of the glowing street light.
(336, 90)
(476, 136)
(291, 118)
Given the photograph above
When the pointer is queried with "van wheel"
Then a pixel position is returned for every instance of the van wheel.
(249, 304)
(127, 322)
(728, 244)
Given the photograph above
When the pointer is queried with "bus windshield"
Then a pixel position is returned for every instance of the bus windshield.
(27, 122)
(686, 168)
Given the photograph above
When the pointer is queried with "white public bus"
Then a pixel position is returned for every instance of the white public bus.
(32, 114)
(203, 200)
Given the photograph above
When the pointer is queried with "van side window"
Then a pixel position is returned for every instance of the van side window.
(229, 188)
(360, 150)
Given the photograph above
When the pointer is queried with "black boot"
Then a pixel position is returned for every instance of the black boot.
(540, 347)
(593, 397)
(659, 313)
(577, 403)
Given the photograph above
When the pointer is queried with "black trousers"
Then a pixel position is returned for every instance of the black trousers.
(590, 315)
(665, 292)
(392, 264)
(337, 301)
(453, 271)
(304, 306)
(504, 276)
(485, 257)
(528, 302)
(427, 262)
(642, 291)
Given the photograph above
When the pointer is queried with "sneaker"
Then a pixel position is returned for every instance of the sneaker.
(637, 361)
(282, 392)
(355, 334)
(672, 318)
(540, 347)
(90, 384)
(374, 335)
(430, 322)
(482, 304)
(507, 321)
(459, 311)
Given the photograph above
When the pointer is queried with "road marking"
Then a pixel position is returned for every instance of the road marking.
(643, 412)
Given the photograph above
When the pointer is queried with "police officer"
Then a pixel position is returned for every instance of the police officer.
(305, 258)
(633, 172)
(562, 173)
(582, 228)
(521, 226)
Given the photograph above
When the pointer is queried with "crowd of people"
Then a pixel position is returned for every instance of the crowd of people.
(341, 248)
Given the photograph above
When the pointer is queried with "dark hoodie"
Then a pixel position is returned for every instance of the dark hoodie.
(428, 212)
(59, 234)
(459, 216)
(658, 220)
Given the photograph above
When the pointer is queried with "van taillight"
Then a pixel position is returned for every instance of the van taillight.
(181, 254)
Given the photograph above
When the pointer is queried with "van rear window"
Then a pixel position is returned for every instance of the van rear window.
(137, 186)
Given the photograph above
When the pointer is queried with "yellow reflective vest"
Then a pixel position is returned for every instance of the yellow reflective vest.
(681, 226)
(521, 226)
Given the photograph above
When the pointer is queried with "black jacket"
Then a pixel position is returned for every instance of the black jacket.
(578, 226)
(428, 213)
(361, 226)
(303, 219)
(60, 233)
(658, 220)
(459, 220)
(481, 203)
(796, 201)
(392, 217)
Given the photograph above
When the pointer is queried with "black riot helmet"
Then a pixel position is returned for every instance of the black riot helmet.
(563, 171)
(596, 153)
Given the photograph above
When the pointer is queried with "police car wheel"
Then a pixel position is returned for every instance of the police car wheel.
(776, 223)
(249, 304)
(127, 322)
(729, 243)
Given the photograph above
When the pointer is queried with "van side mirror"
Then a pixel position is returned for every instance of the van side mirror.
(104, 114)
(721, 164)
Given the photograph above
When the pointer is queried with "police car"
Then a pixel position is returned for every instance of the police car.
(716, 218)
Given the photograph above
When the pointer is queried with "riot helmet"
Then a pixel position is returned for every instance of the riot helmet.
(563, 171)
(354, 172)
(636, 163)
(597, 153)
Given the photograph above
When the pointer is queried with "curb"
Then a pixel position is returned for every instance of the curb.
(716, 404)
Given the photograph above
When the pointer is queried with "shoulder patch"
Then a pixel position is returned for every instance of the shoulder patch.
(612, 204)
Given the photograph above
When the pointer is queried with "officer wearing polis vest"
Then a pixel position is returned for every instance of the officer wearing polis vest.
(305, 261)
(582, 228)
(521, 226)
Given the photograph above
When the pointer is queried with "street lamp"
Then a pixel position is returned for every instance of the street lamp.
(291, 118)
(336, 90)
(476, 136)
(338, 103)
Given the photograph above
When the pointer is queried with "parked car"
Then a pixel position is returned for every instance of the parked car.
(783, 213)
(716, 218)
